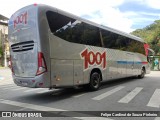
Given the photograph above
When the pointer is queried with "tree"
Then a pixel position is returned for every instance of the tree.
(151, 35)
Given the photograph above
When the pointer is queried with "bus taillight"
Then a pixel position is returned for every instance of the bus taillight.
(41, 64)
(146, 46)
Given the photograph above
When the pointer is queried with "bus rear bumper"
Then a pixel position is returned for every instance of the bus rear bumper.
(32, 82)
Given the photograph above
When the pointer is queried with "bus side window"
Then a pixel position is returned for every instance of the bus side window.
(135, 46)
(110, 39)
(121, 41)
(77, 32)
(91, 35)
(73, 30)
(60, 25)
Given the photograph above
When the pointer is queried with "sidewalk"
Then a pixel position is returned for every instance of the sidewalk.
(4, 68)
(1, 78)
(5, 73)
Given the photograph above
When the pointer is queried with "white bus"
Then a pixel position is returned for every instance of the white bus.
(51, 48)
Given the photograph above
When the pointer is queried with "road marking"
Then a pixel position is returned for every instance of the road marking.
(29, 106)
(58, 111)
(21, 88)
(79, 95)
(43, 91)
(131, 95)
(157, 118)
(3, 86)
(100, 97)
(21, 109)
(33, 89)
(155, 99)
(11, 87)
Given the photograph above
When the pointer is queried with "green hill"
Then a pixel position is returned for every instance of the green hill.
(151, 35)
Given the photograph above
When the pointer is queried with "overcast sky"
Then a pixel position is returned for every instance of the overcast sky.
(125, 15)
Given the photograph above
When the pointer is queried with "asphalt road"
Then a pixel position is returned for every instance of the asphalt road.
(125, 95)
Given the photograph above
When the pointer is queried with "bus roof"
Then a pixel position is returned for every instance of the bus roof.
(42, 6)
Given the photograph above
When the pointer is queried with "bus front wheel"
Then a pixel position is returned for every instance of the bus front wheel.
(95, 80)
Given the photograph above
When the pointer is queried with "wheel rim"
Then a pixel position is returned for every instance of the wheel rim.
(142, 73)
(95, 81)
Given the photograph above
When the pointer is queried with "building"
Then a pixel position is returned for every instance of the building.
(4, 46)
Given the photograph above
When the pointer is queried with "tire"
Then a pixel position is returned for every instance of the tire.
(143, 72)
(95, 80)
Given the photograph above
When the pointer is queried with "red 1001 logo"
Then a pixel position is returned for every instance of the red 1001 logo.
(21, 19)
(92, 58)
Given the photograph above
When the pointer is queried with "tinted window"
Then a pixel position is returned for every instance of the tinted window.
(77, 32)
(121, 41)
(135, 46)
(73, 30)
(58, 22)
(91, 35)
(140, 48)
(110, 39)
(116, 41)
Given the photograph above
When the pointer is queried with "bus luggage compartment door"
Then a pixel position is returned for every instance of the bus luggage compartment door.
(78, 72)
(61, 72)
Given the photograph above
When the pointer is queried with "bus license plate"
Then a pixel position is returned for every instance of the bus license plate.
(24, 83)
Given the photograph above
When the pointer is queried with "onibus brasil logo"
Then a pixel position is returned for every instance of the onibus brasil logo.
(92, 58)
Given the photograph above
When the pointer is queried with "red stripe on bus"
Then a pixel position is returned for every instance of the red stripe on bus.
(144, 62)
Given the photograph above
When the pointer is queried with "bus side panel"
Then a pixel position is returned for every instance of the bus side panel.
(144, 63)
(137, 66)
(78, 72)
(121, 61)
(112, 67)
(66, 63)
(62, 72)
(130, 63)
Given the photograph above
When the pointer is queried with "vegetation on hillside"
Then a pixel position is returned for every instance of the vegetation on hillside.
(151, 35)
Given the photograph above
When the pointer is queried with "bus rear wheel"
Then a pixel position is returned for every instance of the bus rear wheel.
(95, 80)
(142, 73)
